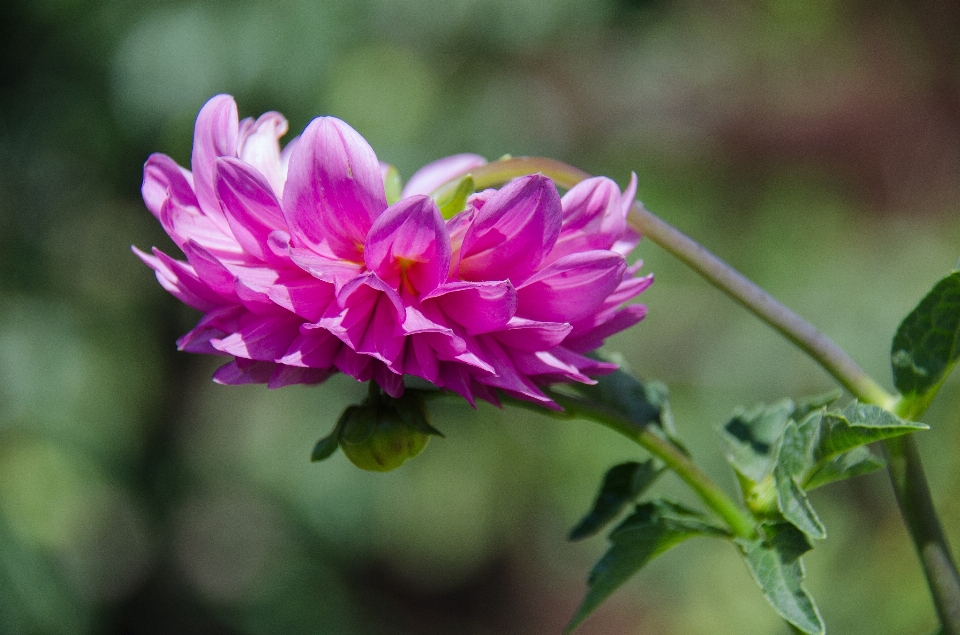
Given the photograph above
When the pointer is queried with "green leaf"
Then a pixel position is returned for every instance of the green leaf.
(752, 438)
(859, 424)
(775, 565)
(927, 344)
(809, 404)
(392, 185)
(823, 439)
(627, 396)
(621, 486)
(856, 462)
(453, 204)
(795, 507)
(651, 530)
(326, 446)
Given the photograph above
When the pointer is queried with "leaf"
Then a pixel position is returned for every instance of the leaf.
(392, 185)
(856, 462)
(795, 507)
(859, 424)
(752, 437)
(326, 446)
(824, 438)
(453, 204)
(927, 344)
(809, 404)
(628, 397)
(622, 485)
(776, 567)
(651, 530)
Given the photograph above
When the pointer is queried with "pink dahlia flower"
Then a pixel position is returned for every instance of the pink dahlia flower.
(301, 268)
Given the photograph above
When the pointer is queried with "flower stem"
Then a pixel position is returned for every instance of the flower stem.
(741, 524)
(904, 465)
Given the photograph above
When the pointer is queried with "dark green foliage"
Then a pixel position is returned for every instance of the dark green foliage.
(927, 344)
(622, 485)
(775, 564)
(651, 530)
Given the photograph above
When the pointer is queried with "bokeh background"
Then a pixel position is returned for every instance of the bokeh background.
(815, 144)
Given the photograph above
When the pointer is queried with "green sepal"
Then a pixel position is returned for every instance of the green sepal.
(926, 346)
(413, 411)
(622, 485)
(326, 446)
(776, 566)
(642, 402)
(454, 203)
(392, 185)
(651, 530)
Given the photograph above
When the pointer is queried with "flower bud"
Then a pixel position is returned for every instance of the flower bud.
(375, 438)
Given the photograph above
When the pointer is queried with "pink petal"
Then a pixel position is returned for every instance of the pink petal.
(593, 217)
(408, 246)
(513, 232)
(210, 269)
(571, 287)
(243, 371)
(586, 340)
(289, 375)
(215, 135)
(479, 307)
(334, 190)
(259, 146)
(187, 286)
(214, 325)
(163, 179)
(307, 297)
(313, 348)
(262, 338)
(251, 208)
(531, 336)
(430, 177)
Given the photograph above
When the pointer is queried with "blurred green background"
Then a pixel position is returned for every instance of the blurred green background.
(815, 144)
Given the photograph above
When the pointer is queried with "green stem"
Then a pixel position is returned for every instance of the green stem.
(916, 506)
(904, 465)
(740, 523)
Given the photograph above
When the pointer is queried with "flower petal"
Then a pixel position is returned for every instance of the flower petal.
(479, 307)
(259, 146)
(251, 208)
(334, 188)
(430, 177)
(571, 287)
(513, 231)
(163, 179)
(215, 135)
(408, 246)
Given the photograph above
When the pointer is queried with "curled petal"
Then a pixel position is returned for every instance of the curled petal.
(513, 231)
(532, 336)
(263, 338)
(163, 179)
(584, 340)
(479, 307)
(334, 189)
(571, 287)
(250, 206)
(259, 146)
(408, 246)
(430, 177)
(215, 135)
(593, 216)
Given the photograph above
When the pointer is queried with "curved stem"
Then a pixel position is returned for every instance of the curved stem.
(904, 465)
(741, 524)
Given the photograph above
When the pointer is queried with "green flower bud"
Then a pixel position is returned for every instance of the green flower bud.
(375, 438)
